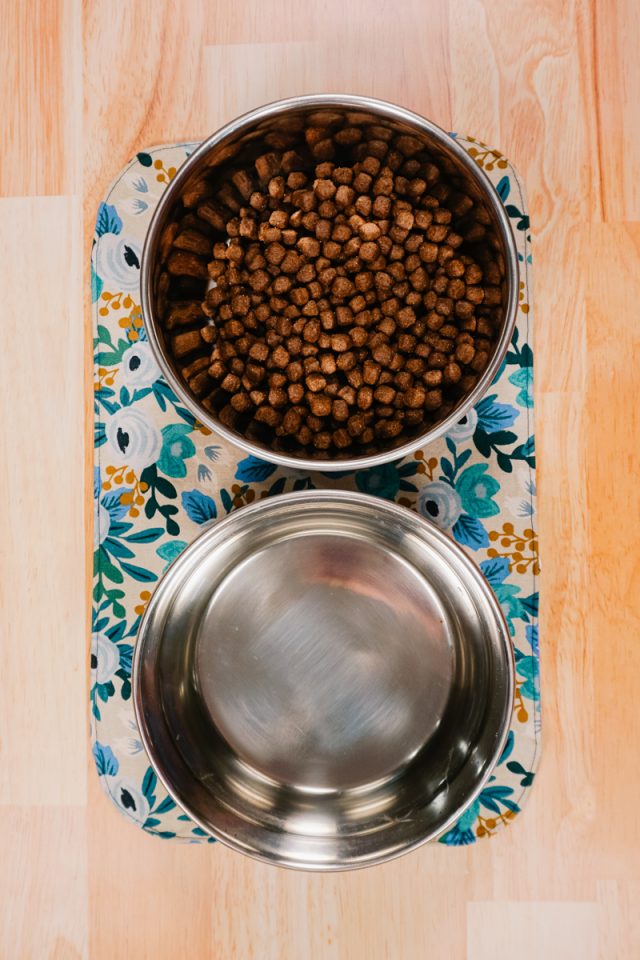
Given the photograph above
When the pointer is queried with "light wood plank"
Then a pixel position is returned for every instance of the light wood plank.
(42, 500)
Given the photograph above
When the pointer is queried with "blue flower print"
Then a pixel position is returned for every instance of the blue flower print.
(177, 446)
(382, 481)
(440, 503)
(476, 489)
(107, 763)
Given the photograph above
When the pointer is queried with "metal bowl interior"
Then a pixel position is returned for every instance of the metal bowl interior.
(323, 681)
(243, 140)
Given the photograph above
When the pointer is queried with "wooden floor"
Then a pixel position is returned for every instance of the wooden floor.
(556, 85)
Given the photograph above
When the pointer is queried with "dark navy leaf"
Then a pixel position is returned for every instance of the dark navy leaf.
(502, 437)
(504, 462)
(462, 459)
(482, 442)
(164, 487)
(408, 469)
(513, 210)
(526, 356)
(253, 470)
(406, 485)
(227, 501)
(150, 508)
(278, 486)
(198, 506)
(172, 528)
(447, 467)
(145, 159)
(451, 447)
(515, 767)
(115, 633)
(139, 573)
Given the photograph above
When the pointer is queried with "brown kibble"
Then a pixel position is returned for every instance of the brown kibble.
(280, 357)
(340, 342)
(340, 410)
(322, 440)
(345, 196)
(231, 383)
(341, 439)
(183, 264)
(369, 252)
(465, 353)
(463, 309)
(328, 364)
(346, 361)
(277, 397)
(433, 399)
(388, 429)
(268, 415)
(480, 361)
(384, 394)
(308, 246)
(414, 398)
(295, 392)
(320, 405)
(324, 189)
(383, 354)
(291, 421)
(315, 382)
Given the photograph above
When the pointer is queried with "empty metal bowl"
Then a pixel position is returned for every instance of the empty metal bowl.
(262, 129)
(323, 680)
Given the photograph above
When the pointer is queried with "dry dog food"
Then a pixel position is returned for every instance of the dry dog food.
(336, 296)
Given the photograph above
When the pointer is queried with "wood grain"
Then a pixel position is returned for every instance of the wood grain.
(554, 83)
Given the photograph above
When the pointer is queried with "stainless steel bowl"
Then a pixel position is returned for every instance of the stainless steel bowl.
(323, 680)
(272, 120)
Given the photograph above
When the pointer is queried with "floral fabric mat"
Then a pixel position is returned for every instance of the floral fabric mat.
(160, 478)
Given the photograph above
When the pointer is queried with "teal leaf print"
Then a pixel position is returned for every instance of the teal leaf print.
(106, 762)
(96, 285)
(503, 188)
(139, 573)
(148, 786)
(198, 506)
(508, 749)
(170, 550)
(494, 796)
(253, 470)
(108, 220)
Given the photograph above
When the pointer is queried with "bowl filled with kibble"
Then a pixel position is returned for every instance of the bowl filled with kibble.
(329, 282)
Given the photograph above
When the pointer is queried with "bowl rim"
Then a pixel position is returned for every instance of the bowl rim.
(200, 544)
(389, 111)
